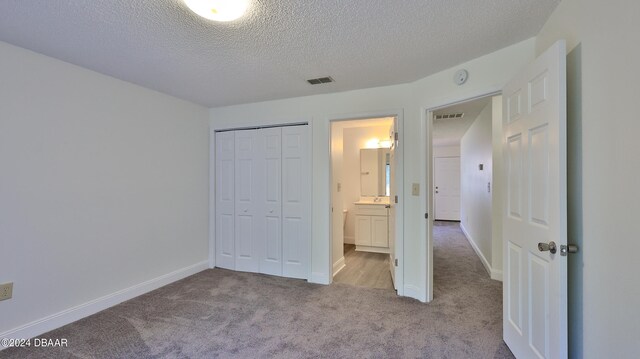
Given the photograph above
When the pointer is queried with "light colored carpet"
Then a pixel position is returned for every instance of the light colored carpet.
(224, 314)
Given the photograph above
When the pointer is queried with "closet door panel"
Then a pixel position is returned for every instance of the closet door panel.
(246, 203)
(295, 200)
(225, 200)
(270, 217)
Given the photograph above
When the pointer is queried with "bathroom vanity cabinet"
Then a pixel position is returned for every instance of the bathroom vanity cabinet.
(372, 227)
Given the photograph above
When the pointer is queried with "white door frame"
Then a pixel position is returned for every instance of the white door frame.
(426, 162)
(399, 237)
(212, 176)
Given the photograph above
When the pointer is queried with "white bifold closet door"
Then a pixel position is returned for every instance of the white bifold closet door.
(225, 204)
(247, 176)
(296, 196)
(262, 199)
(270, 221)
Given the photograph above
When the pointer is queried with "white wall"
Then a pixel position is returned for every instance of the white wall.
(476, 148)
(446, 151)
(487, 73)
(103, 186)
(603, 171)
(354, 139)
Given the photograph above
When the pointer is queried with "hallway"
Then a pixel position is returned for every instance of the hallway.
(463, 286)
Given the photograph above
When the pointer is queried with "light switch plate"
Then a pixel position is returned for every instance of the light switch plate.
(415, 189)
(6, 291)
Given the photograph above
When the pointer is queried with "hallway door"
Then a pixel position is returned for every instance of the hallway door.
(535, 208)
(447, 188)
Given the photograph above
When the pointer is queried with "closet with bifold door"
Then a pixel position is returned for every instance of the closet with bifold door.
(262, 200)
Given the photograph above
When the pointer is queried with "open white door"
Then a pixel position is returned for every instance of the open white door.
(393, 195)
(535, 211)
(337, 201)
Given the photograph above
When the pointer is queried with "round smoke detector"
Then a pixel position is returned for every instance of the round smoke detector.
(460, 77)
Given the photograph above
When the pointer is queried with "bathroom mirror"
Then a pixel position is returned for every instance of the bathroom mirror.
(374, 172)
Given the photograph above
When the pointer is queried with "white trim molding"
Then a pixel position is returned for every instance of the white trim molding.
(338, 266)
(70, 315)
(414, 292)
(493, 273)
(320, 278)
(496, 274)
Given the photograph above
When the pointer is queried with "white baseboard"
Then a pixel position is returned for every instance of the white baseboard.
(319, 278)
(349, 240)
(78, 312)
(494, 274)
(338, 266)
(373, 249)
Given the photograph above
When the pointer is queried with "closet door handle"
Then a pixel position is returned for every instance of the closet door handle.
(270, 211)
(245, 210)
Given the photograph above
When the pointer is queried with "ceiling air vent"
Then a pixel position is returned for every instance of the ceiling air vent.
(450, 116)
(320, 80)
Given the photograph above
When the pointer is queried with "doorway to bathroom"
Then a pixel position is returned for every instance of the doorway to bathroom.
(364, 164)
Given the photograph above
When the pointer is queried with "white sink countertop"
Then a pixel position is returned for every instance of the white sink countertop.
(373, 200)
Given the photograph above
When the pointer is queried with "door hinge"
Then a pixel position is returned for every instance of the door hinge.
(426, 215)
(396, 262)
(395, 136)
(396, 199)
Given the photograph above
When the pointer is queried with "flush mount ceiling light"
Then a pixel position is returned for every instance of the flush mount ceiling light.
(218, 10)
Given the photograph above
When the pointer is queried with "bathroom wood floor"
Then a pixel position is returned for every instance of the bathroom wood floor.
(365, 269)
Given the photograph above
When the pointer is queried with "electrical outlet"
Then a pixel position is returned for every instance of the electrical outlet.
(415, 189)
(6, 291)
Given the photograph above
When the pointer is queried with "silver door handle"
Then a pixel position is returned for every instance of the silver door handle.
(245, 210)
(550, 247)
(270, 211)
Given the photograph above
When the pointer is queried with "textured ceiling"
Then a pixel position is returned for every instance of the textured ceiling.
(449, 132)
(269, 53)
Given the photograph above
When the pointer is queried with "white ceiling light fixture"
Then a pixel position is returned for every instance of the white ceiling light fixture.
(219, 10)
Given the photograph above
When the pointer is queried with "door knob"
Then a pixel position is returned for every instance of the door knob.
(551, 247)
(245, 210)
(270, 211)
